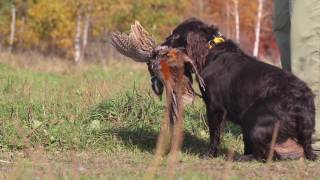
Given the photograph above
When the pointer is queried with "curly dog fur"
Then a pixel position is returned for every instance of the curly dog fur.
(246, 91)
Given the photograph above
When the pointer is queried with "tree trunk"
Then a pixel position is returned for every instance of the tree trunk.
(237, 19)
(258, 28)
(85, 34)
(77, 39)
(13, 27)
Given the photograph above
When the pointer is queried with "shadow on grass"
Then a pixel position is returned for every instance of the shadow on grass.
(136, 134)
(146, 140)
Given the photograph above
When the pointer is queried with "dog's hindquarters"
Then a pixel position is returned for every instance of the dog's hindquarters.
(258, 123)
(295, 131)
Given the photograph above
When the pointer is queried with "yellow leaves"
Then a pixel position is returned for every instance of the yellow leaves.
(30, 38)
(51, 24)
(62, 35)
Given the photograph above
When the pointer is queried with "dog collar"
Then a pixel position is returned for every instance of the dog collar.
(215, 40)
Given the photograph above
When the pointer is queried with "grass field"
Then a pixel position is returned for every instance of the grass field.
(65, 121)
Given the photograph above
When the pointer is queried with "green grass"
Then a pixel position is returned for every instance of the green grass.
(102, 123)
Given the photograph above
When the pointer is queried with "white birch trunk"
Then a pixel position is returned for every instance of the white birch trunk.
(258, 29)
(85, 34)
(77, 39)
(13, 27)
(237, 19)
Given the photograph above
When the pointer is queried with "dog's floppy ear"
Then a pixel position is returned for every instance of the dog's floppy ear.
(193, 67)
(197, 48)
(210, 31)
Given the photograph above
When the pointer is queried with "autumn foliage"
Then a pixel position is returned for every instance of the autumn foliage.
(50, 27)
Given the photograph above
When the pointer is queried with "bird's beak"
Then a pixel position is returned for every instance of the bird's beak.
(161, 50)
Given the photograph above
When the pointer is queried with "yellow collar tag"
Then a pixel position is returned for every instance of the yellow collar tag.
(215, 41)
(218, 40)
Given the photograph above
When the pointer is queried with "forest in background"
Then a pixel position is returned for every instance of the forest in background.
(79, 30)
(64, 118)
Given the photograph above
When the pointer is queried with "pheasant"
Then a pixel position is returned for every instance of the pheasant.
(140, 46)
(168, 65)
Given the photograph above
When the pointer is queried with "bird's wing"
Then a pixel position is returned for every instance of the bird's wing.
(138, 45)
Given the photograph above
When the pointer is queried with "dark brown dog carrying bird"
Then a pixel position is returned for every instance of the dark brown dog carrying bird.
(248, 92)
(238, 88)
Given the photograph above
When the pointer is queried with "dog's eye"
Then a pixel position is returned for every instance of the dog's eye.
(175, 36)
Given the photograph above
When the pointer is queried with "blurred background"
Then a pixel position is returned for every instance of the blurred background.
(79, 30)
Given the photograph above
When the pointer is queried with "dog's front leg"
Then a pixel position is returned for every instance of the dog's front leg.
(215, 117)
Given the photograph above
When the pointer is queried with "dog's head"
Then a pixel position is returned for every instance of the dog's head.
(182, 35)
(191, 37)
